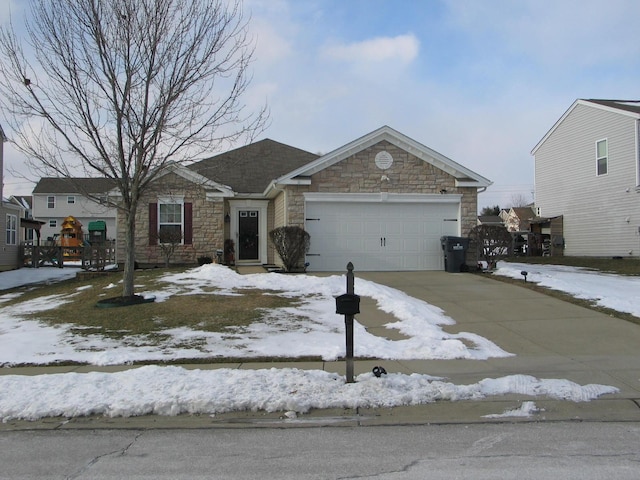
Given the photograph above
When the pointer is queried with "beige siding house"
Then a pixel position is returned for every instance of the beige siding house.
(587, 172)
(10, 215)
(382, 202)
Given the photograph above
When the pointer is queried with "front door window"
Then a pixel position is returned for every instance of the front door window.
(248, 237)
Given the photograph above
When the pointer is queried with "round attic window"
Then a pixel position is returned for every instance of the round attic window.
(384, 160)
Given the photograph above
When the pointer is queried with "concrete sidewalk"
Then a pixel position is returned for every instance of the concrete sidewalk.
(549, 338)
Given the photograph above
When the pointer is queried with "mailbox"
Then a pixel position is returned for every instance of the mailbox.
(348, 304)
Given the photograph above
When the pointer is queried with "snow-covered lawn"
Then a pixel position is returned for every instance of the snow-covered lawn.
(174, 390)
(310, 329)
(617, 292)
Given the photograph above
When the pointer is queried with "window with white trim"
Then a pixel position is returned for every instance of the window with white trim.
(53, 224)
(602, 157)
(71, 199)
(12, 229)
(51, 202)
(170, 218)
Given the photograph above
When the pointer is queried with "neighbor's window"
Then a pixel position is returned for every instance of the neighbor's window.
(51, 202)
(602, 156)
(71, 199)
(53, 223)
(12, 229)
(170, 218)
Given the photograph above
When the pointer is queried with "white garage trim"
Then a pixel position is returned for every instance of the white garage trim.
(382, 197)
(381, 231)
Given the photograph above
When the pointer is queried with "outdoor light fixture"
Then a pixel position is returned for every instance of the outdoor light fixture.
(443, 191)
(524, 273)
(379, 371)
(227, 218)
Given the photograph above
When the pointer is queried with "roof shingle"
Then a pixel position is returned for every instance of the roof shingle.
(251, 168)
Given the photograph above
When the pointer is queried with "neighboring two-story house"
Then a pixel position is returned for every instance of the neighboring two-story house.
(587, 173)
(518, 219)
(54, 199)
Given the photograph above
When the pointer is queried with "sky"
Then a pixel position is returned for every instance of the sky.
(480, 82)
(171, 390)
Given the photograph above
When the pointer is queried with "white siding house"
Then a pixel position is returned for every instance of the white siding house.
(54, 199)
(587, 170)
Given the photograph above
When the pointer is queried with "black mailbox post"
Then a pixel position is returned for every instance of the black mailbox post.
(348, 304)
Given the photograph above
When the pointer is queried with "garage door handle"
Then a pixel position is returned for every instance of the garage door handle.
(383, 241)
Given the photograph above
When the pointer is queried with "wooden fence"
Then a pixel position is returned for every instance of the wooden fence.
(95, 256)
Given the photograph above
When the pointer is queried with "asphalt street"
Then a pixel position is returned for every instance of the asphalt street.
(564, 450)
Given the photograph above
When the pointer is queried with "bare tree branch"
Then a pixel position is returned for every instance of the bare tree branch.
(125, 88)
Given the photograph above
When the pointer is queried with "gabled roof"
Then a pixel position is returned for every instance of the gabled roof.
(24, 201)
(251, 168)
(523, 213)
(194, 177)
(490, 220)
(464, 177)
(74, 185)
(629, 108)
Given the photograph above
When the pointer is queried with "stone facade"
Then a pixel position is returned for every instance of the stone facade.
(207, 219)
(357, 173)
(407, 174)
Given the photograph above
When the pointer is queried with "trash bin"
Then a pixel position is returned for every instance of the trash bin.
(455, 253)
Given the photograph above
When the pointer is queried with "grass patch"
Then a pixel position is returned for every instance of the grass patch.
(207, 312)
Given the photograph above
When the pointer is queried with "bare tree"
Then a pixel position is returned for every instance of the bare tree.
(124, 88)
(168, 240)
(520, 200)
(492, 243)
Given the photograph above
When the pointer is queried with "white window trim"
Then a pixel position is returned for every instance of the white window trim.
(53, 223)
(172, 200)
(71, 199)
(12, 221)
(606, 157)
(250, 204)
(53, 202)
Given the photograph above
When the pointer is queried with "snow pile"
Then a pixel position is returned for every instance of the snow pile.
(527, 409)
(175, 390)
(616, 292)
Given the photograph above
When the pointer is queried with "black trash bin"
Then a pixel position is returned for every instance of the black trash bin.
(455, 253)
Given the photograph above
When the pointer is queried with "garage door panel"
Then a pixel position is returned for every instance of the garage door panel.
(378, 236)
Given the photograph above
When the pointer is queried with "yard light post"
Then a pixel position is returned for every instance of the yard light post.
(348, 305)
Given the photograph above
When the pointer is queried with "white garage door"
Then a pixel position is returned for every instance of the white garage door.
(379, 236)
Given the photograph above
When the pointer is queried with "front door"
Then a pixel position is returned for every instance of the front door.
(248, 235)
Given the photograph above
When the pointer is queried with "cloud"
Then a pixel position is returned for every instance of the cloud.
(575, 32)
(404, 48)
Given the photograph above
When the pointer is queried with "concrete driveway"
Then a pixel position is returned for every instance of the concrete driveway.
(550, 338)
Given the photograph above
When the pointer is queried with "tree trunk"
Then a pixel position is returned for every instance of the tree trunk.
(129, 254)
